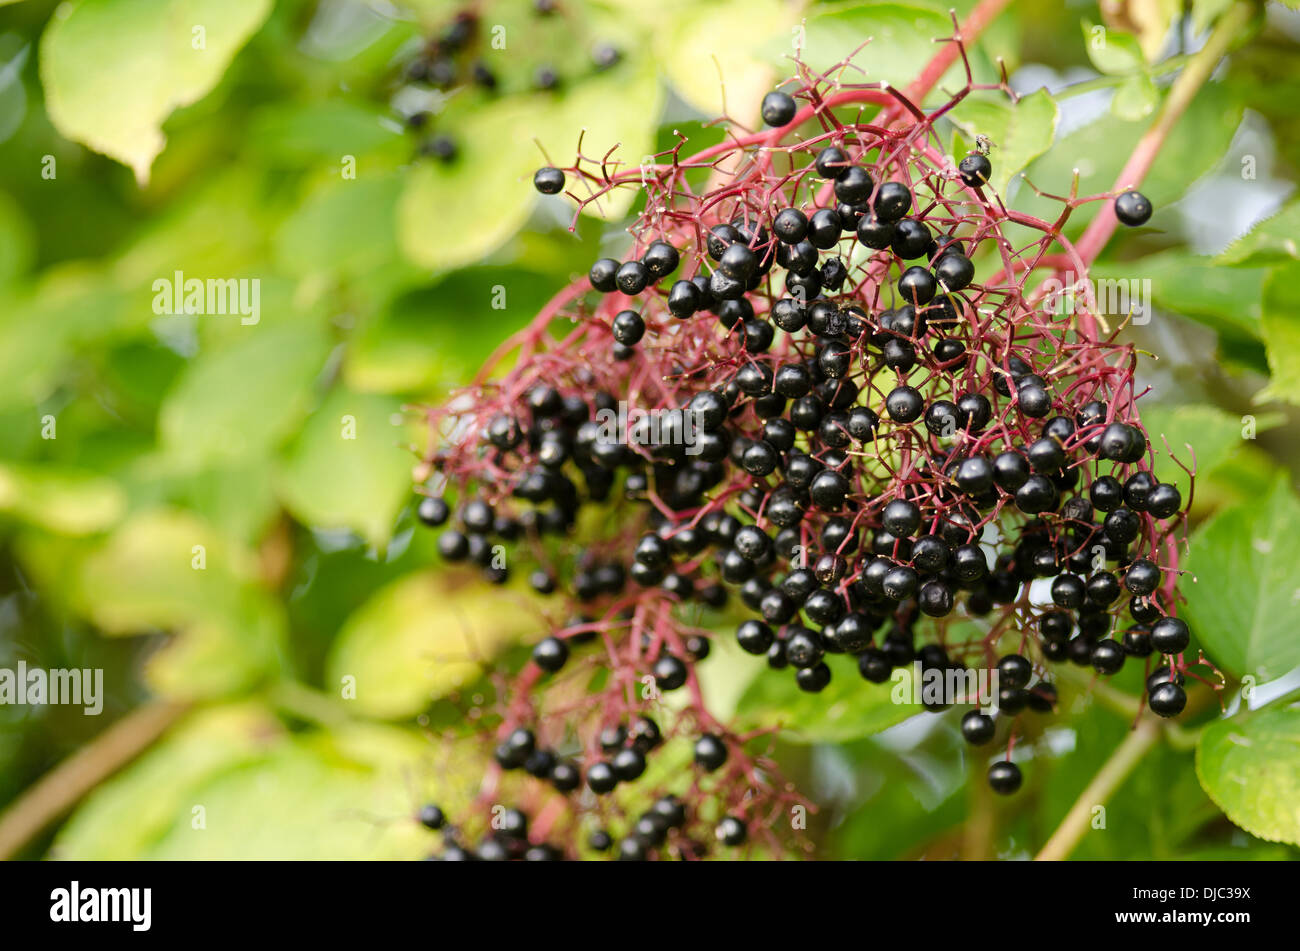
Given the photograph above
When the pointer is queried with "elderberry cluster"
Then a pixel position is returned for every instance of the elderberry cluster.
(885, 454)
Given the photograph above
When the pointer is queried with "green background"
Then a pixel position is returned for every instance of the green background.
(130, 438)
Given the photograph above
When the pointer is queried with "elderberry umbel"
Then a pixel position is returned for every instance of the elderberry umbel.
(858, 424)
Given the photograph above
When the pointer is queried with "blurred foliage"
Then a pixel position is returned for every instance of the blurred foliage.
(219, 510)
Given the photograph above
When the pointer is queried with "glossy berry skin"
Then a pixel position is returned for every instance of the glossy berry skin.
(875, 233)
(975, 475)
(660, 259)
(669, 672)
(977, 728)
(550, 654)
(565, 777)
(1014, 671)
(824, 229)
(1168, 699)
(1164, 500)
(645, 734)
(433, 511)
(901, 517)
(548, 180)
(917, 286)
(671, 810)
(1005, 778)
(813, 679)
(710, 752)
(1121, 442)
(778, 109)
(893, 201)
(828, 490)
(790, 225)
(831, 162)
(904, 404)
(684, 299)
(1133, 209)
(731, 831)
(628, 327)
(1108, 657)
(628, 764)
(602, 274)
(975, 170)
(754, 637)
(854, 185)
(1142, 577)
(1010, 470)
(431, 817)
(954, 271)
(1107, 494)
(1038, 494)
(1170, 635)
(911, 238)
(632, 277)
(601, 778)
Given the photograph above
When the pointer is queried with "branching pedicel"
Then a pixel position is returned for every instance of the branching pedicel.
(850, 477)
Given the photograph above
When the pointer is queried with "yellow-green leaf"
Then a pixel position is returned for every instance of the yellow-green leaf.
(68, 501)
(1250, 766)
(422, 636)
(114, 70)
(348, 467)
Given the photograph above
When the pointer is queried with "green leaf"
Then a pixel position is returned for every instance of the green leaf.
(1271, 241)
(1111, 51)
(123, 817)
(714, 77)
(1213, 434)
(848, 709)
(17, 237)
(1280, 327)
(114, 70)
(161, 568)
(1250, 766)
(422, 342)
(1227, 300)
(902, 38)
(297, 134)
(453, 214)
(326, 806)
(1195, 146)
(68, 501)
(202, 794)
(422, 636)
(345, 227)
(164, 569)
(1020, 131)
(1244, 602)
(243, 400)
(902, 787)
(348, 467)
(1135, 98)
